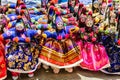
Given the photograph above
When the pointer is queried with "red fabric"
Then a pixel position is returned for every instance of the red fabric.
(54, 1)
(60, 63)
(3, 70)
(14, 74)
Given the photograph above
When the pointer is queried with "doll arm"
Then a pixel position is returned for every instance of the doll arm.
(11, 24)
(20, 39)
(13, 6)
(71, 29)
(6, 35)
(48, 34)
(13, 17)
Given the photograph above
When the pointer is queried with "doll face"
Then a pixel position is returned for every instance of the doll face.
(96, 5)
(76, 9)
(73, 2)
(89, 23)
(117, 4)
(19, 26)
(60, 25)
(83, 18)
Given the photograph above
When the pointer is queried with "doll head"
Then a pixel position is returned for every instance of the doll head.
(96, 4)
(59, 22)
(3, 22)
(19, 25)
(82, 15)
(71, 3)
(116, 4)
(103, 7)
(89, 20)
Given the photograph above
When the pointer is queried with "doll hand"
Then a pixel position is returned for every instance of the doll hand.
(39, 32)
(118, 42)
(1, 38)
(44, 35)
(27, 39)
(93, 39)
(16, 39)
(76, 29)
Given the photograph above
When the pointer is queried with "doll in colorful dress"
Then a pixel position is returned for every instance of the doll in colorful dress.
(96, 8)
(74, 6)
(71, 5)
(111, 42)
(3, 68)
(93, 53)
(59, 50)
(21, 56)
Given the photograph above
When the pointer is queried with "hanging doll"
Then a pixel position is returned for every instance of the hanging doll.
(51, 14)
(3, 68)
(77, 6)
(95, 8)
(71, 5)
(82, 17)
(20, 53)
(44, 3)
(59, 50)
(93, 54)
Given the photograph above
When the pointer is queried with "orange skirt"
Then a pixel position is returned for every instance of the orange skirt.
(54, 54)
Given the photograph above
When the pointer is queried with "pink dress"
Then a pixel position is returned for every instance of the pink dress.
(94, 56)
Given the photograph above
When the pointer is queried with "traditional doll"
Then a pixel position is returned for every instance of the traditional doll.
(2, 23)
(111, 42)
(18, 53)
(93, 54)
(95, 8)
(76, 8)
(59, 50)
(3, 68)
(103, 8)
(44, 3)
(71, 5)
(51, 14)
(82, 17)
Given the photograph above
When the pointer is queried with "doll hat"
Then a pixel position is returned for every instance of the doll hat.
(95, 1)
(19, 21)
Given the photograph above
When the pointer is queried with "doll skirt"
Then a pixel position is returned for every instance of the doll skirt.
(94, 56)
(60, 54)
(114, 57)
(3, 69)
(22, 57)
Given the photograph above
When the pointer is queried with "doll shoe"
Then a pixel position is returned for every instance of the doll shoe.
(14, 77)
(56, 70)
(69, 70)
(45, 66)
(30, 75)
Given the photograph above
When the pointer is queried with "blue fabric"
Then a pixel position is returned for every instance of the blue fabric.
(62, 1)
(61, 33)
(86, 2)
(113, 53)
(12, 34)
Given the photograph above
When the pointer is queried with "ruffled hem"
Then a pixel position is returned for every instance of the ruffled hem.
(92, 69)
(58, 66)
(21, 71)
(3, 77)
(106, 72)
